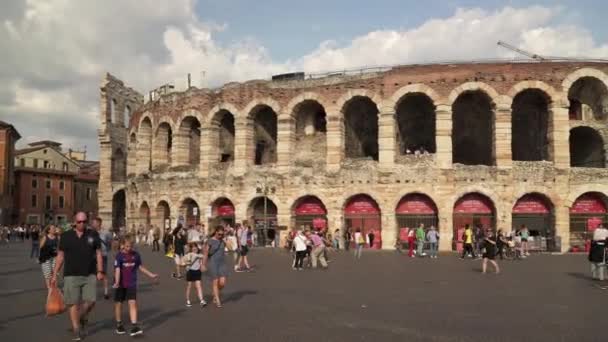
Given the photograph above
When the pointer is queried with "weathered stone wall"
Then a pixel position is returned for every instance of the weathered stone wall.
(325, 172)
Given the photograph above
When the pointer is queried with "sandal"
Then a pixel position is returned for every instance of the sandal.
(217, 303)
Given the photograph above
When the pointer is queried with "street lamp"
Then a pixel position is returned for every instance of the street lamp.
(264, 189)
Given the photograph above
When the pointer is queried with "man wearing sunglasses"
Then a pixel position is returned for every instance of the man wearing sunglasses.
(80, 250)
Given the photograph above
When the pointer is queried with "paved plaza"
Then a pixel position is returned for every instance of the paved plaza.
(383, 297)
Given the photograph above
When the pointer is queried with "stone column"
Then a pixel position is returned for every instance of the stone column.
(562, 226)
(209, 149)
(244, 148)
(286, 140)
(559, 136)
(443, 136)
(386, 140)
(335, 142)
(104, 190)
(180, 150)
(389, 231)
(502, 137)
(446, 229)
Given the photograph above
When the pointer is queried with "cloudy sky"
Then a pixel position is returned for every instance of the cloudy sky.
(54, 52)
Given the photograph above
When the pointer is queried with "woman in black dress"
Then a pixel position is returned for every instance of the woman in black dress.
(489, 252)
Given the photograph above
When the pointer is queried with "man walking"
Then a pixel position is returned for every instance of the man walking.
(80, 250)
(318, 249)
(105, 238)
(242, 263)
(420, 239)
(468, 242)
(432, 237)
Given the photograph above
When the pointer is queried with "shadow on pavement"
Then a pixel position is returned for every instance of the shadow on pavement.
(579, 275)
(152, 321)
(13, 272)
(238, 295)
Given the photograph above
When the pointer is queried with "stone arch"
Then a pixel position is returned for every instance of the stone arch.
(415, 119)
(186, 210)
(555, 97)
(341, 102)
(551, 195)
(222, 133)
(249, 110)
(361, 125)
(144, 213)
(119, 165)
(215, 113)
(580, 73)
(144, 144)
(531, 118)
(264, 147)
(188, 140)
(163, 143)
(400, 196)
(144, 116)
(580, 190)
(587, 148)
(119, 209)
(291, 108)
(162, 213)
(414, 89)
(474, 110)
(473, 86)
(461, 192)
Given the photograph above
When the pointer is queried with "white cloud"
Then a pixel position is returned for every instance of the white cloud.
(56, 51)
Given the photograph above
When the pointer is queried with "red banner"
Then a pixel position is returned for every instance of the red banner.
(593, 223)
(531, 204)
(319, 223)
(474, 204)
(223, 207)
(361, 205)
(588, 204)
(416, 204)
(310, 206)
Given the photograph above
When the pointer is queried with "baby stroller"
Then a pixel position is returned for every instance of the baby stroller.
(511, 251)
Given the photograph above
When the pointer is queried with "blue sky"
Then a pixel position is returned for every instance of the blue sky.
(289, 29)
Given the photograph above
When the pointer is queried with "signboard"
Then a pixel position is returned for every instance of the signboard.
(588, 204)
(226, 209)
(361, 205)
(416, 204)
(531, 204)
(195, 211)
(319, 223)
(310, 206)
(474, 204)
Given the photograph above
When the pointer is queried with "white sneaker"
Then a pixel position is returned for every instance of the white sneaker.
(203, 303)
(188, 304)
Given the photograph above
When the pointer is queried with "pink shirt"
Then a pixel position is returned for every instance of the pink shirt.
(316, 240)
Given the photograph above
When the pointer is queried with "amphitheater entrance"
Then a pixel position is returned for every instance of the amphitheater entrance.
(473, 128)
(416, 123)
(144, 215)
(163, 142)
(263, 215)
(190, 141)
(361, 212)
(588, 99)
(413, 210)
(189, 212)
(535, 211)
(361, 128)
(119, 210)
(530, 122)
(311, 133)
(265, 135)
(587, 212)
(586, 148)
(309, 212)
(163, 215)
(474, 210)
(222, 213)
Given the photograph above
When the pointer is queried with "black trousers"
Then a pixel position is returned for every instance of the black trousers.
(155, 245)
(468, 247)
(300, 255)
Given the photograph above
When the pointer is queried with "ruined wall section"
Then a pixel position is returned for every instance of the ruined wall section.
(117, 104)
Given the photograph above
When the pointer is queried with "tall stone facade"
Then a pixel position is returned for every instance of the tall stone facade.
(484, 144)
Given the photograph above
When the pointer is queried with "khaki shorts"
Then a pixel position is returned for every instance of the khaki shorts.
(78, 289)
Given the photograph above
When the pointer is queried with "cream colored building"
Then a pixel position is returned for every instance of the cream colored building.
(490, 144)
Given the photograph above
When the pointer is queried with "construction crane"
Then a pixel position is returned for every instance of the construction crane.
(522, 52)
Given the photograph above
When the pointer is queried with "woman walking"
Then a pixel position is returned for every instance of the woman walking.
(48, 253)
(597, 253)
(489, 252)
(215, 262)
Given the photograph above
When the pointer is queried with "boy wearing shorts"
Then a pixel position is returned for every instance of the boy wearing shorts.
(126, 265)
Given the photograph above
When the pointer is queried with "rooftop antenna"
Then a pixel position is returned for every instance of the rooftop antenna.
(521, 52)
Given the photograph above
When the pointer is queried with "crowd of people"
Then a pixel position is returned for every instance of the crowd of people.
(80, 255)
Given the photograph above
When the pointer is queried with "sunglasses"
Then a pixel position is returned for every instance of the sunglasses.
(79, 222)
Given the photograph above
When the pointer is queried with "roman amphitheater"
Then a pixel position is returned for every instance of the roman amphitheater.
(496, 144)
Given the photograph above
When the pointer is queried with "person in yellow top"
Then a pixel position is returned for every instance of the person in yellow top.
(468, 242)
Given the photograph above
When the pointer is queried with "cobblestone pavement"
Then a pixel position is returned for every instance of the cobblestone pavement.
(383, 297)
